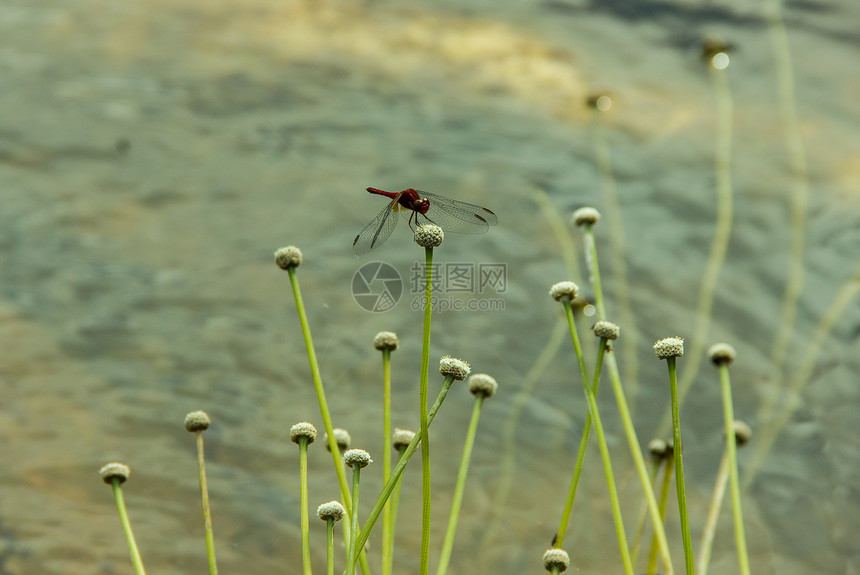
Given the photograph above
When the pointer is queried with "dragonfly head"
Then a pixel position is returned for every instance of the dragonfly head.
(421, 205)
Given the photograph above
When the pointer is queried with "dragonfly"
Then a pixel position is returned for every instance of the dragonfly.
(450, 215)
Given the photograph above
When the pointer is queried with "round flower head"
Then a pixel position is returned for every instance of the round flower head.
(357, 458)
(722, 354)
(341, 437)
(585, 216)
(711, 46)
(113, 471)
(601, 102)
(556, 558)
(197, 421)
(456, 368)
(401, 438)
(386, 340)
(288, 257)
(564, 290)
(482, 384)
(743, 433)
(669, 347)
(331, 510)
(606, 330)
(303, 430)
(658, 448)
(429, 235)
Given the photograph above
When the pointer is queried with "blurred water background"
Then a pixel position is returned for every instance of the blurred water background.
(154, 154)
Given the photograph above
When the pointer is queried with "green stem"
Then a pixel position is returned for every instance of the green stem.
(387, 545)
(722, 234)
(734, 482)
(668, 472)
(643, 515)
(353, 550)
(618, 249)
(577, 472)
(459, 489)
(204, 501)
(329, 541)
(624, 410)
(394, 503)
(303, 491)
(679, 471)
(594, 270)
(126, 527)
(361, 539)
(326, 416)
(318, 385)
(601, 438)
(425, 445)
(639, 463)
(710, 529)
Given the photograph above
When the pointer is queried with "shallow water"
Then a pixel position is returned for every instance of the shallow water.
(153, 156)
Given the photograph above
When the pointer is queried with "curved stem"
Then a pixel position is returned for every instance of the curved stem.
(459, 488)
(136, 561)
(361, 539)
(734, 482)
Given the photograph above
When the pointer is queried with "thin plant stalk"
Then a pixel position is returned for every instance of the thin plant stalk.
(459, 488)
(799, 182)
(734, 482)
(133, 551)
(329, 546)
(624, 410)
(722, 233)
(303, 491)
(425, 444)
(393, 504)
(362, 536)
(577, 472)
(387, 543)
(601, 440)
(324, 411)
(643, 515)
(679, 470)
(318, 385)
(639, 463)
(668, 473)
(803, 374)
(204, 502)
(618, 249)
(356, 474)
(710, 528)
(508, 466)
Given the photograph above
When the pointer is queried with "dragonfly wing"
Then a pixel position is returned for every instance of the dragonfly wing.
(377, 231)
(457, 216)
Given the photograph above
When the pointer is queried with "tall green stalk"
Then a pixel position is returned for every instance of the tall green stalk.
(288, 259)
(425, 444)
(689, 561)
(734, 482)
(482, 386)
(394, 480)
(587, 219)
(601, 437)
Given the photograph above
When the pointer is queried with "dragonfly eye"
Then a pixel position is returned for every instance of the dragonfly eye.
(421, 205)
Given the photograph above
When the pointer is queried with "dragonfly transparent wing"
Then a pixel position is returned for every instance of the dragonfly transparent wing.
(378, 230)
(459, 217)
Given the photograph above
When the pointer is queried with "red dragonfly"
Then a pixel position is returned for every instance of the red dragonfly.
(450, 215)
